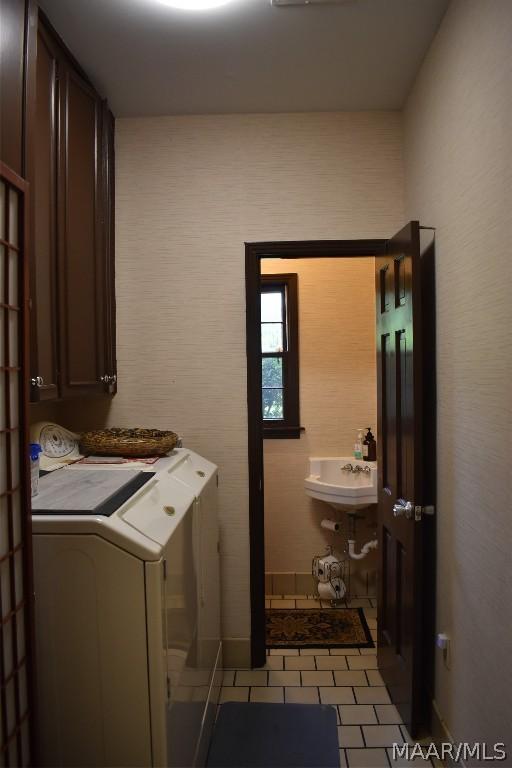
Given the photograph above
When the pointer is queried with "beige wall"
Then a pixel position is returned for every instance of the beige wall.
(338, 393)
(458, 153)
(189, 192)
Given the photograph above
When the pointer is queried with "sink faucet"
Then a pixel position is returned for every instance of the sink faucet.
(347, 468)
(366, 470)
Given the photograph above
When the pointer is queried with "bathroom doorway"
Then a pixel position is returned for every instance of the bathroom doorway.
(391, 287)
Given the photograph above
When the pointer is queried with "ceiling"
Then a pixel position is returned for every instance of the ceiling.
(248, 56)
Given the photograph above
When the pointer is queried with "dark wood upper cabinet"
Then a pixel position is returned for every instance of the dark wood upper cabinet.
(73, 304)
(12, 66)
(44, 346)
(108, 208)
(81, 254)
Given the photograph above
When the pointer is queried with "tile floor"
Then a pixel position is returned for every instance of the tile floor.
(345, 678)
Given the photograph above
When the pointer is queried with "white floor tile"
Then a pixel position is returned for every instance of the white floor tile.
(317, 678)
(372, 695)
(228, 677)
(367, 758)
(337, 695)
(331, 662)
(275, 662)
(368, 651)
(250, 677)
(345, 652)
(314, 652)
(282, 603)
(374, 677)
(372, 623)
(286, 677)
(382, 735)
(343, 677)
(402, 762)
(230, 693)
(357, 714)
(308, 603)
(362, 662)
(350, 736)
(387, 714)
(284, 651)
(301, 695)
(343, 759)
(299, 662)
(271, 695)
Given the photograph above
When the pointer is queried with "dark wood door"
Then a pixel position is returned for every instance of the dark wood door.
(81, 255)
(44, 362)
(107, 224)
(12, 43)
(16, 588)
(400, 474)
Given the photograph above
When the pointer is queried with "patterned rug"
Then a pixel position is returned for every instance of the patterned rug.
(318, 628)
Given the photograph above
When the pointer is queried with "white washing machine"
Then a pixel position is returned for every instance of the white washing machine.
(128, 623)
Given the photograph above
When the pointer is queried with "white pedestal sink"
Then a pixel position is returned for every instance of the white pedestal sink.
(331, 480)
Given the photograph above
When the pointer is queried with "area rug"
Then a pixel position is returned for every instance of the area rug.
(254, 735)
(317, 628)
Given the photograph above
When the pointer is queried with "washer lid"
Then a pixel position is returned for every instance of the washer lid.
(157, 509)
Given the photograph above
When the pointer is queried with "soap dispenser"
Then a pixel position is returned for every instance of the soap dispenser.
(369, 447)
(358, 446)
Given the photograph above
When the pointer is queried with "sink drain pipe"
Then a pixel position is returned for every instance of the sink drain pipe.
(364, 549)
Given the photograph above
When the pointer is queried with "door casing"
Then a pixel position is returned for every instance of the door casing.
(254, 252)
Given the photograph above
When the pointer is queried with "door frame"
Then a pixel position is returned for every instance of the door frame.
(254, 252)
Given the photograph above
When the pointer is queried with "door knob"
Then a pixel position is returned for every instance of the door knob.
(403, 507)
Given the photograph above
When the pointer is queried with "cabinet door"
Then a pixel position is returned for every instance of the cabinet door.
(81, 262)
(43, 289)
(107, 222)
(12, 41)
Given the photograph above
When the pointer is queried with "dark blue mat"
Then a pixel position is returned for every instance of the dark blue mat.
(253, 735)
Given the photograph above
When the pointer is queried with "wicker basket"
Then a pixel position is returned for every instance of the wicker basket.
(128, 442)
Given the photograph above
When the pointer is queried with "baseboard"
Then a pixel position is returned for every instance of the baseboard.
(363, 583)
(441, 735)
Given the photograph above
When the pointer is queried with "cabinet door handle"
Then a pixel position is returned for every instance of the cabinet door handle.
(37, 381)
(105, 379)
(112, 379)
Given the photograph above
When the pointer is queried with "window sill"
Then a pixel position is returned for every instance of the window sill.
(280, 432)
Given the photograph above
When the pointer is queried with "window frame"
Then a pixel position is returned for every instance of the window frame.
(289, 426)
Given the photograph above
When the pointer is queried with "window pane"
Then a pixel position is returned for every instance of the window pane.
(272, 307)
(272, 403)
(272, 372)
(271, 337)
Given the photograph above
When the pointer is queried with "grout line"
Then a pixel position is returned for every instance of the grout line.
(362, 734)
(318, 694)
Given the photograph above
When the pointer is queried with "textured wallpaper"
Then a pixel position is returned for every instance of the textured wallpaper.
(458, 150)
(189, 192)
(338, 393)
